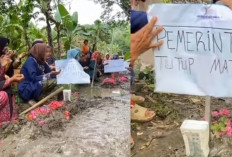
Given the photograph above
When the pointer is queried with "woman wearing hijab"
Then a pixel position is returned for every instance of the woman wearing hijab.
(88, 65)
(107, 57)
(115, 56)
(96, 57)
(8, 108)
(74, 53)
(16, 61)
(37, 75)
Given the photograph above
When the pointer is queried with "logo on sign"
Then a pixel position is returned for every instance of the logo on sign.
(205, 15)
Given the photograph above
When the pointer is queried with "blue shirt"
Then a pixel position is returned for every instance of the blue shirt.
(34, 74)
(138, 20)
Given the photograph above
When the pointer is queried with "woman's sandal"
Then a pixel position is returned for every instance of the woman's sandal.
(141, 114)
(137, 99)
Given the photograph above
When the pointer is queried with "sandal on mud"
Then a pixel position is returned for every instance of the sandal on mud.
(132, 143)
(141, 114)
(137, 99)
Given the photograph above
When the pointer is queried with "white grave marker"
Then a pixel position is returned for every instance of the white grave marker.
(196, 137)
(67, 94)
(196, 57)
(71, 72)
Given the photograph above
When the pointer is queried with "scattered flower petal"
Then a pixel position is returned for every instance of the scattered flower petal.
(41, 123)
(215, 114)
(224, 112)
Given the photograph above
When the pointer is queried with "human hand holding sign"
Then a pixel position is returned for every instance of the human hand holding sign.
(54, 73)
(226, 2)
(53, 67)
(141, 41)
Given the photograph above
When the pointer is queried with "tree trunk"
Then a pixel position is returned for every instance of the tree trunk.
(58, 42)
(70, 42)
(94, 47)
(49, 30)
(27, 39)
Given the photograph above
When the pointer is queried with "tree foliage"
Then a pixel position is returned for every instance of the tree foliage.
(62, 29)
(108, 8)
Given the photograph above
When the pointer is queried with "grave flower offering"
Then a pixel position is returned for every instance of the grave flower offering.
(55, 105)
(67, 115)
(204, 118)
(45, 110)
(221, 125)
(228, 128)
(75, 96)
(224, 112)
(109, 81)
(31, 117)
(123, 79)
(215, 114)
(41, 123)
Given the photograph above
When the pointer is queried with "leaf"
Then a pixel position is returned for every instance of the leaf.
(75, 18)
(62, 10)
(66, 45)
(66, 18)
(195, 100)
(216, 127)
(221, 125)
(223, 129)
(139, 133)
(127, 55)
(57, 16)
(151, 86)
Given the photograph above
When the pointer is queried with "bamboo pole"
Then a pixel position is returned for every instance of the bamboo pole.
(43, 100)
(94, 70)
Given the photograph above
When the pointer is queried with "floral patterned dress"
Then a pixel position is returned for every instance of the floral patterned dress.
(8, 108)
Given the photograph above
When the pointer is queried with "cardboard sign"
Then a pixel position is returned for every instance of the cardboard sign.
(115, 66)
(196, 57)
(71, 72)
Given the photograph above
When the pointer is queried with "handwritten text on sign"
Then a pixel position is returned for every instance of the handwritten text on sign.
(115, 66)
(196, 57)
(71, 72)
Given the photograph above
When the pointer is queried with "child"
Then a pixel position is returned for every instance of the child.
(50, 58)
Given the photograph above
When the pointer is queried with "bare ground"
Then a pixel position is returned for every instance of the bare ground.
(162, 137)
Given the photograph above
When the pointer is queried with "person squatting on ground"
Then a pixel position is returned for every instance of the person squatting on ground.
(38, 75)
(8, 107)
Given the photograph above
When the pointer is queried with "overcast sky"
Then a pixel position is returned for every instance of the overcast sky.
(88, 11)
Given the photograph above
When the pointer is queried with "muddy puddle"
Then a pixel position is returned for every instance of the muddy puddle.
(99, 92)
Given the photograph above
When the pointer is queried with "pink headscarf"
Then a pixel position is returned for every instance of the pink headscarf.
(95, 55)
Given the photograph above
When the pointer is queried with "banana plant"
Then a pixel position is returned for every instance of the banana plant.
(15, 23)
(97, 33)
(68, 24)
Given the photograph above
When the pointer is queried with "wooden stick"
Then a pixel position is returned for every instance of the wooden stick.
(152, 100)
(43, 100)
(94, 70)
(208, 112)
